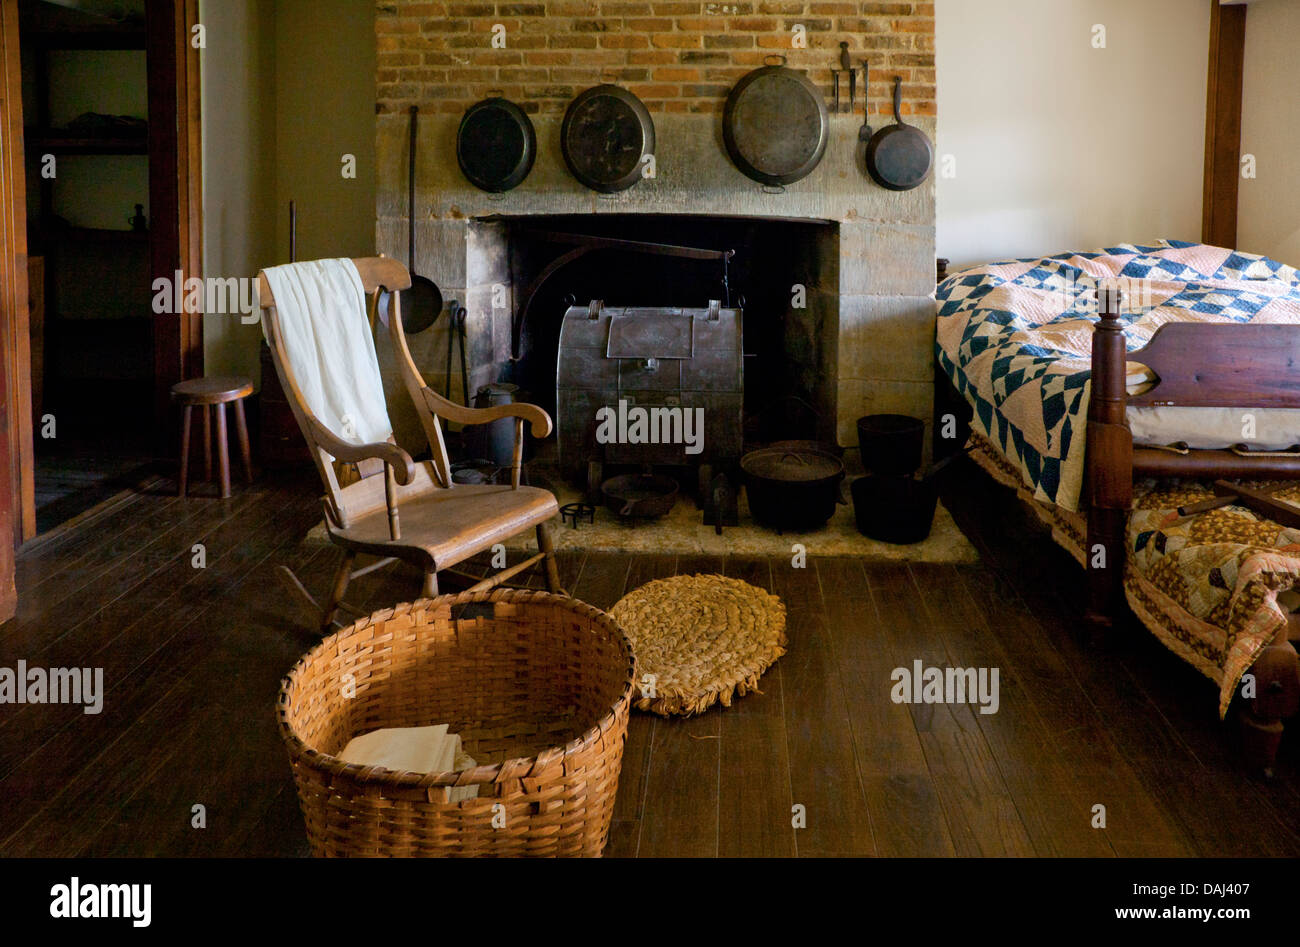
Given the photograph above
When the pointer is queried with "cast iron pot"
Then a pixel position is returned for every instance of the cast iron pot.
(891, 444)
(479, 470)
(792, 488)
(640, 495)
(824, 447)
(896, 510)
(496, 439)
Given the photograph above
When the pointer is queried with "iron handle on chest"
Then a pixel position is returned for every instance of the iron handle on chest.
(656, 374)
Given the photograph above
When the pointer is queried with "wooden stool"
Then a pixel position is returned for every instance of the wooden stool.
(213, 393)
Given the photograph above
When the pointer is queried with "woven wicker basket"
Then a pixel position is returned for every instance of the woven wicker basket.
(537, 685)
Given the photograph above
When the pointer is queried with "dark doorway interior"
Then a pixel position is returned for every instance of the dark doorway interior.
(85, 91)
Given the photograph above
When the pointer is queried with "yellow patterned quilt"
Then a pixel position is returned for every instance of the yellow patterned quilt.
(1207, 586)
(1221, 572)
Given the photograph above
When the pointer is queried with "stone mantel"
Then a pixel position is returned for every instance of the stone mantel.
(881, 308)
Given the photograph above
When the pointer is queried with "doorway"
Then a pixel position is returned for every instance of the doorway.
(111, 153)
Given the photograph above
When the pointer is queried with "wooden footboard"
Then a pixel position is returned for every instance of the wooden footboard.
(1198, 365)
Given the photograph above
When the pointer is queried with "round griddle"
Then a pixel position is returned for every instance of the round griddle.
(775, 125)
(605, 137)
(495, 145)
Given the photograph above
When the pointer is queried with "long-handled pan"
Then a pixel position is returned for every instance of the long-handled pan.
(423, 300)
(899, 156)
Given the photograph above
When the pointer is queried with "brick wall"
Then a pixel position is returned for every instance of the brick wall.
(677, 56)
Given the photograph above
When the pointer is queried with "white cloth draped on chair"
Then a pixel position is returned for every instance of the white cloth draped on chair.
(321, 306)
(314, 316)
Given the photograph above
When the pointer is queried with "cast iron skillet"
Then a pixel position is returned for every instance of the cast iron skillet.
(423, 299)
(640, 495)
(899, 155)
(495, 145)
(605, 138)
(775, 125)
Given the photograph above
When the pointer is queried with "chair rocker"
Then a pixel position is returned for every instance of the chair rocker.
(398, 509)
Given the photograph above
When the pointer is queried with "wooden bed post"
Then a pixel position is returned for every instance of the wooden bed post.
(1276, 697)
(1109, 465)
(950, 427)
(1222, 174)
(948, 435)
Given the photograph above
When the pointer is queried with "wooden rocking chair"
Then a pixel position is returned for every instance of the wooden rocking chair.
(401, 510)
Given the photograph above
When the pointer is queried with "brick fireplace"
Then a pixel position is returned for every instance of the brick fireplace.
(869, 270)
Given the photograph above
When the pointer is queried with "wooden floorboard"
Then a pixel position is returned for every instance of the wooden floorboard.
(755, 817)
(602, 581)
(680, 818)
(824, 775)
(121, 640)
(907, 815)
(981, 815)
(637, 751)
(141, 668)
(192, 660)
(1046, 794)
(249, 774)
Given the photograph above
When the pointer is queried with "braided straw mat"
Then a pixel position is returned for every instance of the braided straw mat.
(705, 638)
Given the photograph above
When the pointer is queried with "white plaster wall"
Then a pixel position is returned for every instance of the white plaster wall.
(325, 109)
(1060, 146)
(1268, 219)
(238, 109)
(288, 89)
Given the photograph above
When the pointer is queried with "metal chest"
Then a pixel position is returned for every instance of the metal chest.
(649, 358)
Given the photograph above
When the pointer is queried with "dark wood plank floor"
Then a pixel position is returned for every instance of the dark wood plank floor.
(192, 658)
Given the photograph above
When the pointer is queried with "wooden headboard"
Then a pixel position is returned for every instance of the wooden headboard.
(1222, 366)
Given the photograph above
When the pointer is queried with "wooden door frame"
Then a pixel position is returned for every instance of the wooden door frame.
(176, 244)
(15, 363)
(175, 193)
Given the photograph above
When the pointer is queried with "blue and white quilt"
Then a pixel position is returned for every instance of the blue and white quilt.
(1015, 337)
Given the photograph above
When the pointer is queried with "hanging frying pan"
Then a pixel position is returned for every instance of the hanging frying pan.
(899, 155)
(495, 145)
(605, 137)
(423, 299)
(775, 125)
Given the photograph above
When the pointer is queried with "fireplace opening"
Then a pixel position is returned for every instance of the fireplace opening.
(782, 274)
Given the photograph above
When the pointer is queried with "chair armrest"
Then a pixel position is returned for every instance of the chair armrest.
(392, 455)
(538, 419)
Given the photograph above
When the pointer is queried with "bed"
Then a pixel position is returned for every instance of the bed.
(1087, 381)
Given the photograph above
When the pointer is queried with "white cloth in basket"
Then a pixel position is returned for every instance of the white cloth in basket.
(413, 750)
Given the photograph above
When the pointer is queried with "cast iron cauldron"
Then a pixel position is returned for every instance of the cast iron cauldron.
(792, 488)
(897, 510)
(891, 443)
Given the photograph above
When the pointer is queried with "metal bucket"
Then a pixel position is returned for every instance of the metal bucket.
(891, 444)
